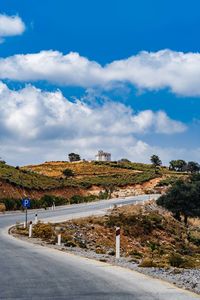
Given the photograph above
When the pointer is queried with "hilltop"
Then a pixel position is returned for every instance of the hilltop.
(104, 179)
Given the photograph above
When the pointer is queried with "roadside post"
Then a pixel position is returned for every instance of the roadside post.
(36, 218)
(26, 203)
(59, 239)
(30, 229)
(117, 242)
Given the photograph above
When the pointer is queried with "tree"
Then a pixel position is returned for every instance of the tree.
(47, 200)
(155, 160)
(124, 160)
(193, 167)
(74, 157)
(183, 199)
(68, 172)
(177, 165)
(109, 188)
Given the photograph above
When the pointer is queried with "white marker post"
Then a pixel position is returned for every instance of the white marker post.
(59, 239)
(117, 242)
(36, 218)
(30, 229)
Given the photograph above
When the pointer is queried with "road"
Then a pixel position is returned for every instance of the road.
(35, 272)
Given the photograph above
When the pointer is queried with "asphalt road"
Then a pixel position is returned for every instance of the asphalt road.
(34, 272)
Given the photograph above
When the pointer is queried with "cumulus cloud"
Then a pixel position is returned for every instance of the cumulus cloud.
(36, 124)
(177, 71)
(10, 26)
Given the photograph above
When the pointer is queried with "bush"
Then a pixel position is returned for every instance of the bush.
(49, 200)
(136, 254)
(80, 199)
(43, 231)
(195, 240)
(147, 263)
(103, 195)
(68, 172)
(176, 260)
(12, 204)
(2, 207)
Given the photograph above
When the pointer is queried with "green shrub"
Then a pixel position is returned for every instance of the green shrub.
(49, 200)
(68, 172)
(176, 260)
(81, 199)
(12, 204)
(103, 195)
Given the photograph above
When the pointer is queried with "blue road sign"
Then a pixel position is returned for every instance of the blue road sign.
(26, 202)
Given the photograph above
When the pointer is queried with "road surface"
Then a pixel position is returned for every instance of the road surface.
(35, 272)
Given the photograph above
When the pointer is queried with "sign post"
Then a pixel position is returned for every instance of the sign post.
(26, 203)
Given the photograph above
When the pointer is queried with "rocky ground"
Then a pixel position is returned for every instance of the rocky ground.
(184, 278)
(91, 238)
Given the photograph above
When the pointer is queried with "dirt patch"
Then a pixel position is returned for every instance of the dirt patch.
(8, 190)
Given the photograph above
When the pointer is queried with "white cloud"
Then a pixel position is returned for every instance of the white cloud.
(37, 125)
(10, 26)
(178, 71)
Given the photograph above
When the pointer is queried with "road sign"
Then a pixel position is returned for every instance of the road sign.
(26, 203)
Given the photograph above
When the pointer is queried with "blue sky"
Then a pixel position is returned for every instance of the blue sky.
(156, 95)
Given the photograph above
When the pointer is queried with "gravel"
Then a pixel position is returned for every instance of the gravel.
(184, 278)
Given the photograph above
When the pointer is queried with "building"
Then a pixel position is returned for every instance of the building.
(103, 156)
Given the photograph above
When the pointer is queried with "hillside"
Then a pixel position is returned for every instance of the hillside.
(150, 236)
(110, 179)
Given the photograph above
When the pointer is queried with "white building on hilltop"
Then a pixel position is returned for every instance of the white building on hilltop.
(103, 156)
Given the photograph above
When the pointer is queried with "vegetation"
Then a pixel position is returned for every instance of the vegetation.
(74, 157)
(27, 179)
(178, 165)
(193, 167)
(47, 179)
(43, 202)
(47, 201)
(182, 166)
(80, 199)
(117, 180)
(168, 181)
(95, 173)
(149, 236)
(2, 207)
(183, 199)
(124, 160)
(68, 173)
(155, 160)
(43, 231)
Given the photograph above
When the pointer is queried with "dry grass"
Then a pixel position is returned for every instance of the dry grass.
(2, 207)
(80, 169)
(149, 236)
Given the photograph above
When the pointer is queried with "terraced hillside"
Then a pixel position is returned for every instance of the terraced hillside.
(84, 178)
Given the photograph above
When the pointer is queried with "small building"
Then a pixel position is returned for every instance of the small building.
(103, 156)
